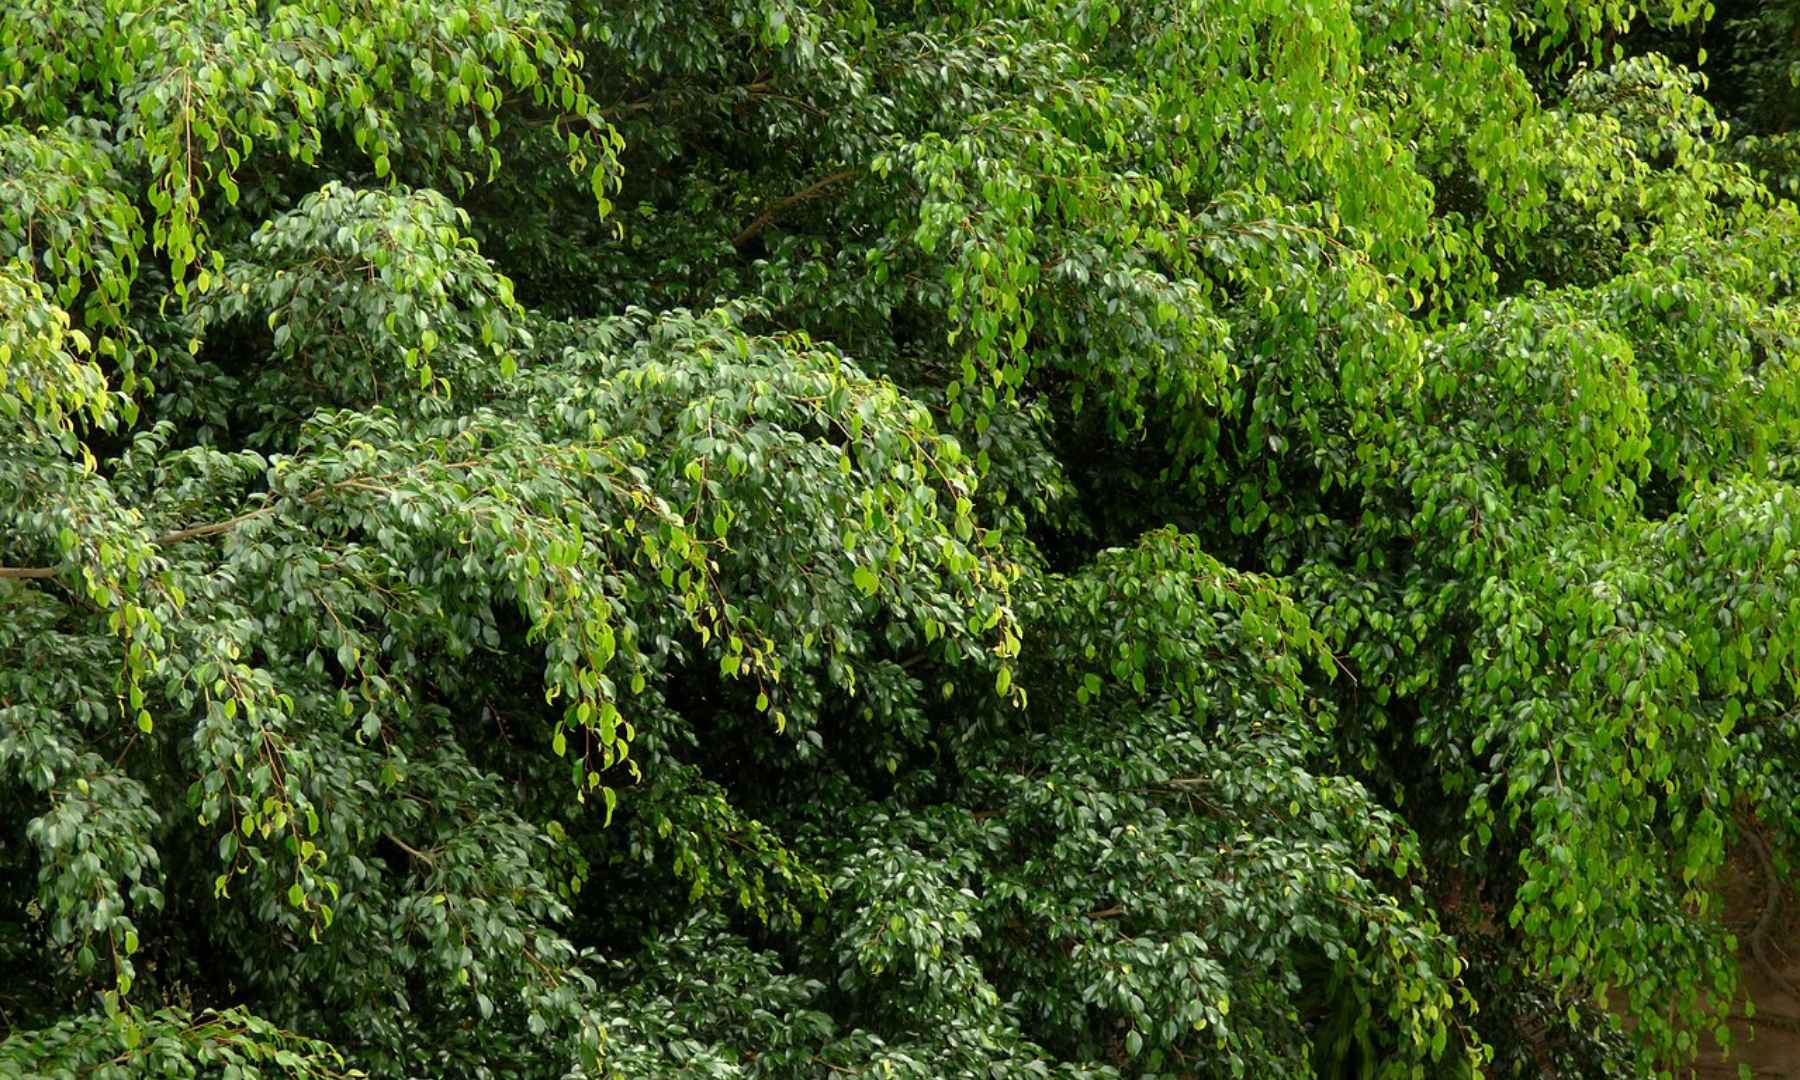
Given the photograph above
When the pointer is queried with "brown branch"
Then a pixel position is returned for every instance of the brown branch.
(761, 90)
(410, 850)
(1731, 1069)
(1771, 1018)
(812, 191)
(215, 528)
(211, 528)
(27, 571)
(1107, 913)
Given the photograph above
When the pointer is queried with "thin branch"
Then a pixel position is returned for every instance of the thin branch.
(129, 743)
(1771, 1018)
(215, 528)
(761, 90)
(410, 850)
(812, 191)
(211, 528)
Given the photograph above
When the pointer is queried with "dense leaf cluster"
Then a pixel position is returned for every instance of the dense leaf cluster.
(752, 538)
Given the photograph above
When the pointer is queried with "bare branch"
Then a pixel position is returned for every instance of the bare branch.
(410, 850)
(812, 191)
(27, 571)
(210, 529)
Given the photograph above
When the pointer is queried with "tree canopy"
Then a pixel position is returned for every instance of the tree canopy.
(954, 538)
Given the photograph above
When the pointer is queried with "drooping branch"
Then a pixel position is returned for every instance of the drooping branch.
(216, 528)
(196, 532)
(775, 209)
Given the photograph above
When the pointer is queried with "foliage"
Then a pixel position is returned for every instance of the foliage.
(749, 538)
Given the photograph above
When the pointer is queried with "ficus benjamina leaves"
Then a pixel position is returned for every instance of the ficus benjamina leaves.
(747, 538)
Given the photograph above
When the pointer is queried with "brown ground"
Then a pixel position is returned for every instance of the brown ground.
(1769, 1044)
